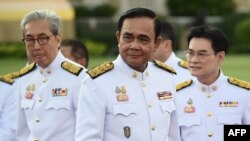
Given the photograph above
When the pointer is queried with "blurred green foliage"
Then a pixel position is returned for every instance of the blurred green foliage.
(193, 7)
(236, 27)
(102, 33)
(12, 49)
(95, 48)
(104, 10)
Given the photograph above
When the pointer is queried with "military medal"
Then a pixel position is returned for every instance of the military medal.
(59, 92)
(122, 96)
(29, 91)
(189, 108)
(164, 95)
(228, 103)
(127, 131)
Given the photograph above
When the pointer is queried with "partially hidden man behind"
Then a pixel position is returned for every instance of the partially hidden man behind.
(165, 52)
(48, 89)
(75, 50)
(7, 110)
(129, 98)
(211, 99)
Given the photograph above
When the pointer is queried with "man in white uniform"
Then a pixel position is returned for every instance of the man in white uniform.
(8, 110)
(49, 88)
(211, 100)
(165, 53)
(130, 99)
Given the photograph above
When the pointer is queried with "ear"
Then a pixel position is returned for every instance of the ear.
(221, 56)
(168, 45)
(117, 34)
(157, 42)
(58, 38)
(82, 62)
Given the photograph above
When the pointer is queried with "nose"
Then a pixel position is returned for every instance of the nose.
(194, 58)
(134, 45)
(37, 45)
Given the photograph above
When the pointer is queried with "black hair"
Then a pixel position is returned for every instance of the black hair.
(167, 32)
(215, 35)
(140, 12)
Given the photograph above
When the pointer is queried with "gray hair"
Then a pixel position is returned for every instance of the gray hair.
(51, 16)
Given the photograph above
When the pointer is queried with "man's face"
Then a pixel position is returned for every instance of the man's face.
(163, 51)
(43, 54)
(203, 62)
(137, 41)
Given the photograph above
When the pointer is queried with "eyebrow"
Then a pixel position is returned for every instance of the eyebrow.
(40, 34)
(198, 50)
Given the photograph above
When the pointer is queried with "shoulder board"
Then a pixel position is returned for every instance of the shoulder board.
(183, 64)
(101, 69)
(21, 72)
(164, 66)
(184, 84)
(72, 68)
(239, 83)
(6, 80)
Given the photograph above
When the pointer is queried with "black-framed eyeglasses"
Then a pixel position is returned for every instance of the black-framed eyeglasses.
(40, 40)
(201, 55)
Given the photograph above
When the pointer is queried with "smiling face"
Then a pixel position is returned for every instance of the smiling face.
(203, 62)
(43, 55)
(137, 41)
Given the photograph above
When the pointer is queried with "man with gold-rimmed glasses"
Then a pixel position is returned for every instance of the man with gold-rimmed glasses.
(210, 100)
(48, 88)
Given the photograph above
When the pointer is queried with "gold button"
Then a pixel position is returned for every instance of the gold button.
(209, 95)
(203, 89)
(214, 88)
(45, 80)
(40, 99)
(149, 105)
(153, 128)
(209, 114)
(210, 134)
(48, 71)
(134, 74)
(37, 119)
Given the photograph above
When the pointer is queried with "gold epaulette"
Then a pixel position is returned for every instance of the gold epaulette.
(6, 80)
(99, 70)
(239, 83)
(164, 66)
(72, 68)
(183, 64)
(184, 84)
(21, 72)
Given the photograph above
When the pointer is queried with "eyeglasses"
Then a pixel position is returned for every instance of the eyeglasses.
(40, 40)
(201, 55)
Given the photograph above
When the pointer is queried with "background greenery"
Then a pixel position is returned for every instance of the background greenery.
(234, 65)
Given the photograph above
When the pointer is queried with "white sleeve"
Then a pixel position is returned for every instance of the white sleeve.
(91, 113)
(8, 113)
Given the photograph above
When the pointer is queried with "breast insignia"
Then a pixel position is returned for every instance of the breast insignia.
(6, 80)
(184, 84)
(239, 83)
(164, 66)
(72, 68)
(183, 64)
(21, 72)
(99, 70)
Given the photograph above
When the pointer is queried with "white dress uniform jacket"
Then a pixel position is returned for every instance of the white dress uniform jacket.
(180, 67)
(8, 112)
(48, 101)
(125, 105)
(204, 110)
